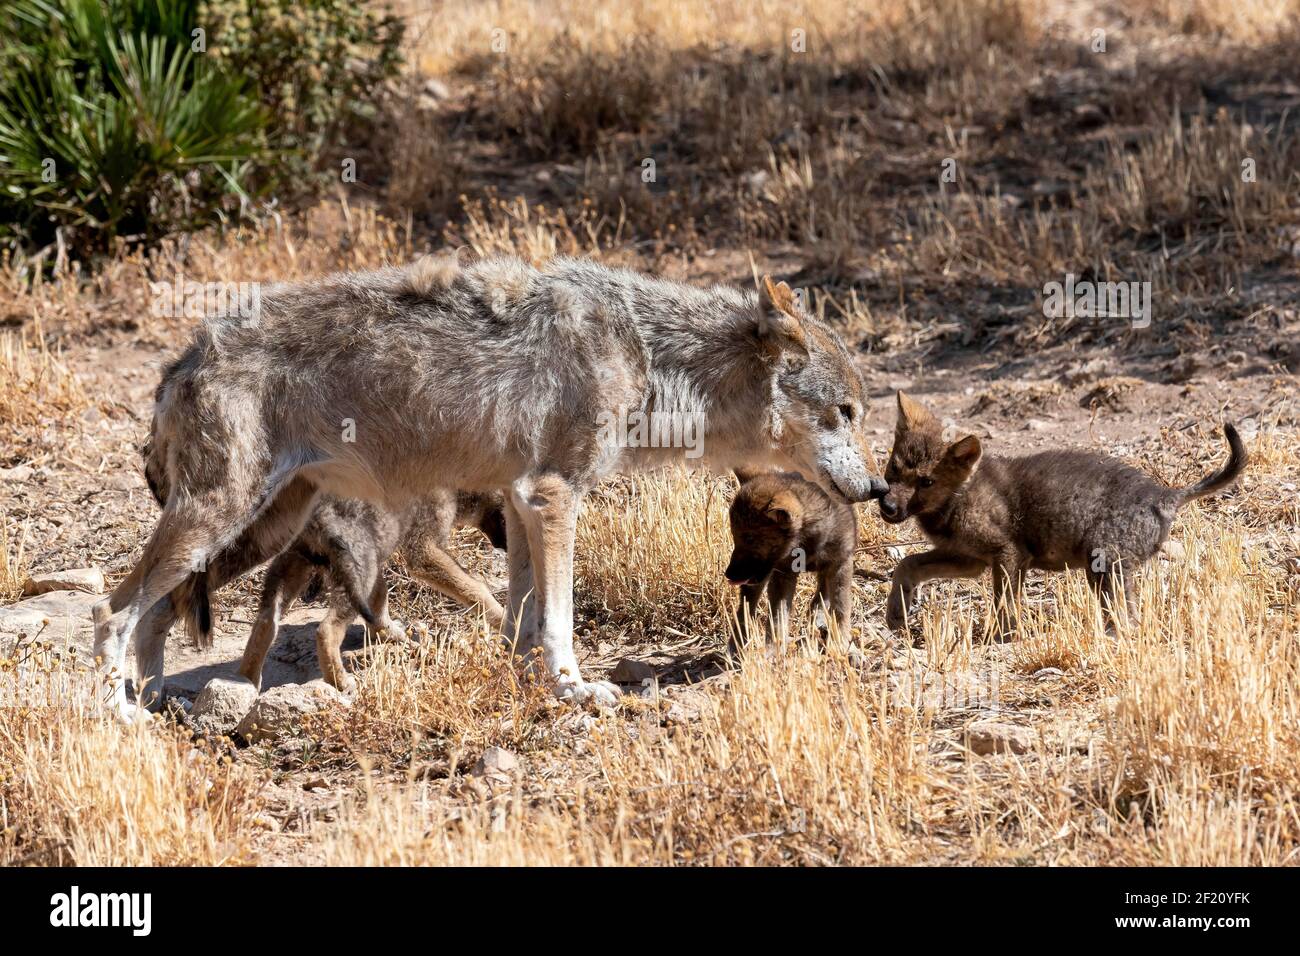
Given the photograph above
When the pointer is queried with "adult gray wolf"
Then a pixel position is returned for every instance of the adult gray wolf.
(382, 386)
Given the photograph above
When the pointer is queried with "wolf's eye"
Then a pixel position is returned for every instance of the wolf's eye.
(846, 412)
(925, 481)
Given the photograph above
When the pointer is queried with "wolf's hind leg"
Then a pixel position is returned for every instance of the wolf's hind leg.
(438, 569)
(519, 628)
(329, 639)
(1114, 591)
(181, 541)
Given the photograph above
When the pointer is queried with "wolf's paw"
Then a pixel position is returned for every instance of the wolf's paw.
(596, 692)
(127, 713)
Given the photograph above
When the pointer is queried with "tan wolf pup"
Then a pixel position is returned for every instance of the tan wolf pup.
(384, 386)
(1049, 511)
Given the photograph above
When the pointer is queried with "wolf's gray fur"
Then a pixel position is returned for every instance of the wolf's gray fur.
(382, 386)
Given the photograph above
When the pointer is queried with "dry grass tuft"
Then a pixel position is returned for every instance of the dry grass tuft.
(76, 789)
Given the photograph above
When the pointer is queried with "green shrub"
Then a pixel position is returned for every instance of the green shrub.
(135, 118)
(319, 68)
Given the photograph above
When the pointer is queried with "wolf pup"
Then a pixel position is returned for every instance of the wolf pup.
(1049, 511)
(782, 525)
(348, 542)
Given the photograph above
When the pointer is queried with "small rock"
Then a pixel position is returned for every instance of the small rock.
(316, 783)
(89, 580)
(280, 708)
(1037, 425)
(57, 611)
(632, 671)
(221, 705)
(986, 737)
(1173, 550)
(496, 762)
(17, 473)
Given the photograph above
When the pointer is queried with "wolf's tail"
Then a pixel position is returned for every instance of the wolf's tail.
(192, 602)
(1223, 477)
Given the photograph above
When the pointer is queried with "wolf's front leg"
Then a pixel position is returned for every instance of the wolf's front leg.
(917, 569)
(835, 594)
(519, 625)
(547, 505)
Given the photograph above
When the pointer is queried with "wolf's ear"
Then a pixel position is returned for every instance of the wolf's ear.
(964, 453)
(780, 327)
(913, 415)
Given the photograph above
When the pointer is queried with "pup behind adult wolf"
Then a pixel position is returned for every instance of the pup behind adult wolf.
(1049, 511)
(349, 542)
(782, 525)
(384, 385)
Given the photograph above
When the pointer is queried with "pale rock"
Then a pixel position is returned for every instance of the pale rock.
(496, 762)
(631, 671)
(89, 580)
(280, 708)
(221, 705)
(986, 737)
(55, 611)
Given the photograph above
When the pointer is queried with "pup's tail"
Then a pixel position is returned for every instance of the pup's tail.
(1223, 477)
(348, 573)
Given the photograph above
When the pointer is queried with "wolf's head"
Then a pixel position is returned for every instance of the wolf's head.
(818, 400)
(766, 516)
(924, 471)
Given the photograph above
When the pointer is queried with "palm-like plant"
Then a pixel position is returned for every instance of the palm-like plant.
(111, 124)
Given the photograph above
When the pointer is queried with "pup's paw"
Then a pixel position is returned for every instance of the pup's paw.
(598, 693)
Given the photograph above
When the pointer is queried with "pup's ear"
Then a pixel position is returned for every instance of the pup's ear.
(912, 415)
(780, 327)
(784, 510)
(964, 454)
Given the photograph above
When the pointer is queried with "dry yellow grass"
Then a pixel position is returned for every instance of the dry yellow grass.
(1189, 739)
(76, 789)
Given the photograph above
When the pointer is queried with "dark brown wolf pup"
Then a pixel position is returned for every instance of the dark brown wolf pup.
(783, 525)
(1049, 511)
